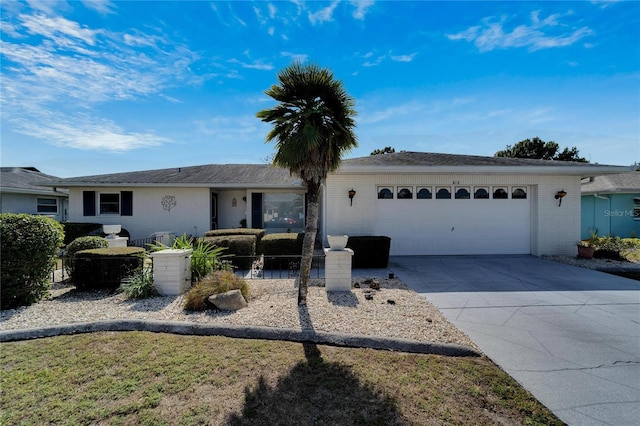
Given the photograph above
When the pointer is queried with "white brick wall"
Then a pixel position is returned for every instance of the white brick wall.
(172, 271)
(338, 269)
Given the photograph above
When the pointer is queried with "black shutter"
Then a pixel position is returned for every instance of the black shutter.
(256, 210)
(126, 203)
(88, 203)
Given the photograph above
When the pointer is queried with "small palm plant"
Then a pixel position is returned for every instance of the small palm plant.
(205, 257)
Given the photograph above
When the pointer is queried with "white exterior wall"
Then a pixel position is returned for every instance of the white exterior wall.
(190, 215)
(228, 215)
(557, 227)
(554, 230)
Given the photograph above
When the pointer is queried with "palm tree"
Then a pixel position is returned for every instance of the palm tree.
(313, 125)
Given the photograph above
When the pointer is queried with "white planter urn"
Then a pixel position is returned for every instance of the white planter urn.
(111, 230)
(337, 242)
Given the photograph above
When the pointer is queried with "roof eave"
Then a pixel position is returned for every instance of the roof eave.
(47, 192)
(176, 185)
(568, 170)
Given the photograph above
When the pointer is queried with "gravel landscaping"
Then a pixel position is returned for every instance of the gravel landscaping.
(393, 311)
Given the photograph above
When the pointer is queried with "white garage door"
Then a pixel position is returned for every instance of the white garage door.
(432, 226)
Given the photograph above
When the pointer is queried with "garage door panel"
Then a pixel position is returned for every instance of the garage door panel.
(455, 226)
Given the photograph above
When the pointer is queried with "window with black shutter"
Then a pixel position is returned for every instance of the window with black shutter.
(88, 203)
(126, 203)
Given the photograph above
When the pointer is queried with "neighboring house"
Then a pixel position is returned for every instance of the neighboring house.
(611, 205)
(27, 190)
(427, 203)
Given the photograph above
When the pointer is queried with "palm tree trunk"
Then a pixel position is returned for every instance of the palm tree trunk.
(308, 244)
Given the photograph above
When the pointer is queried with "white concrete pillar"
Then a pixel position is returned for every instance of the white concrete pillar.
(172, 271)
(337, 269)
(117, 241)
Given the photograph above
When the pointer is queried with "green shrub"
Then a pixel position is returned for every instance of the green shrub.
(106, 267)
(241, 248)
(258, 233)
(74, 230)
(29, 246)
(370, 251)
(139, 285)
(281, 244)
(612, 247)
(216, 283)
(277, 247)
(79, 244)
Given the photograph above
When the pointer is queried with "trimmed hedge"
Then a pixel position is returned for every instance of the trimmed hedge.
(370, 251)
(29, 247)
(106, 267)
(74, 230)
(258, 233)
(241, 248)
(281, 244)
(79, 244)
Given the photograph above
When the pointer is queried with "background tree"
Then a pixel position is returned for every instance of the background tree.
(313, 127)
(385, 150)
(538, 149)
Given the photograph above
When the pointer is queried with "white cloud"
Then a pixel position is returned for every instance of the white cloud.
(58, 29)
(81, 131)
(323, 15)
(539, 34)
(297, 57)
(104, 7)
(53, 82)
(256, 65)
(361, 8)
(403, 58)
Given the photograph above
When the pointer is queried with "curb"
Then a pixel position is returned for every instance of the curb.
(265, 333)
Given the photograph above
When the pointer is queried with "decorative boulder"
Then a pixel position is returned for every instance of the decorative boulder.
(229, 301)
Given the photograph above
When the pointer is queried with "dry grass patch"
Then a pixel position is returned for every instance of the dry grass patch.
(144, 378)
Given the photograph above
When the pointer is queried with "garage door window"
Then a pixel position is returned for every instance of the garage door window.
(462, 194)
(443, 193)
(405, 194)
(385, 194)
(424, 193)
(500, 193)
(519, 193)
(481, 193)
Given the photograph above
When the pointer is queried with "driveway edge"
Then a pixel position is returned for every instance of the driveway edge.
(266, 333)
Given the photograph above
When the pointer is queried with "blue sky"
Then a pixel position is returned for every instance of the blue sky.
(93, 87)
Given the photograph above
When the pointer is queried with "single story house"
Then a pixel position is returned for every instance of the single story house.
(611, 205)
(27, 190)
(427, 203)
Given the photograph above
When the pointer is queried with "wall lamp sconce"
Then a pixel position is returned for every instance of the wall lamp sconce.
(352, 193)
(560, 195)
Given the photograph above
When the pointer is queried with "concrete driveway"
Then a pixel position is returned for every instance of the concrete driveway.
(569, 335)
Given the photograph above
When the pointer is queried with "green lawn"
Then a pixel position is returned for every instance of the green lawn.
(155, 379)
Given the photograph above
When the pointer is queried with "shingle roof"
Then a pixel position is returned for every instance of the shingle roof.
(428, 162)
(211, 174)
(26, 179)
(623, 182)
(407, 158)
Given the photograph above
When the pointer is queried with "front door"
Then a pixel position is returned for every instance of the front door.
(214, 210)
